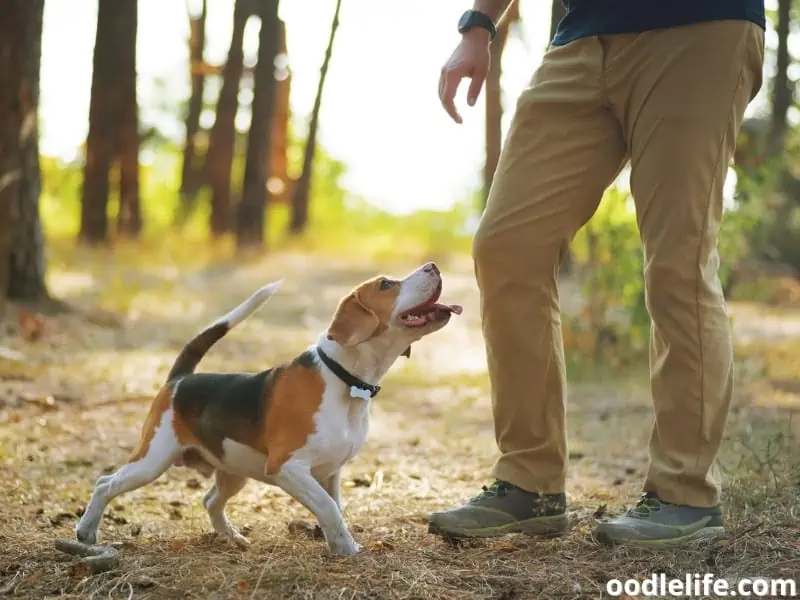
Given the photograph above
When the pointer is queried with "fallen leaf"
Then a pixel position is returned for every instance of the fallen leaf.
(382, 546)
(177, 545)
(32, 326)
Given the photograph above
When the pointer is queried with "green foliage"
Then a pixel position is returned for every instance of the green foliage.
(768, 200)
(340, 223)
(62, 182)
(613, 326)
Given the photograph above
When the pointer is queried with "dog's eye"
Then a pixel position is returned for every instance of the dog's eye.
(387, 283)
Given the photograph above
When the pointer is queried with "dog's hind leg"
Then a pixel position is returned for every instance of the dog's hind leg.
(225, 487)
(161, 452)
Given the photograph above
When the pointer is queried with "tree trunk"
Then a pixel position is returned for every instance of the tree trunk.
(100, 144)
(129, 219)
(252, 209)
(557, 13)
(190, 173)
(782, 92)
(302, 187)
(22, 262)
(494, 100)
(279, 145)
(219, 160)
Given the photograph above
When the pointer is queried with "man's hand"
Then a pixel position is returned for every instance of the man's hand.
(470, 59)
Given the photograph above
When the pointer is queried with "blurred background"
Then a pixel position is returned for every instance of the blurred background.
(160, 160)
(256, 127)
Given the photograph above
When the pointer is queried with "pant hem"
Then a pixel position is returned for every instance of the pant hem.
(522, 479)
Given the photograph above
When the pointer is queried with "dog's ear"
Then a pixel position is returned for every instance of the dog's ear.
(352, 323)
(407, 352)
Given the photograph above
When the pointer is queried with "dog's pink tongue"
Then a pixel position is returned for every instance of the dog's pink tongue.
(454, 308)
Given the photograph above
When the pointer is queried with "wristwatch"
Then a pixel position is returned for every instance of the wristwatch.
(474, 18)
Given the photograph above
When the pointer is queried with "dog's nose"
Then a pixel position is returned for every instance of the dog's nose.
(431, 268)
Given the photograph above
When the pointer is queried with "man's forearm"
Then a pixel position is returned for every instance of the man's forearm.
(494, 9)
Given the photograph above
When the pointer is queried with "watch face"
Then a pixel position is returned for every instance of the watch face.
(465, 19)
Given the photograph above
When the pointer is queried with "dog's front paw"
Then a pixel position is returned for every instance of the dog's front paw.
(86, 535)
(231, 536)
(346, 549)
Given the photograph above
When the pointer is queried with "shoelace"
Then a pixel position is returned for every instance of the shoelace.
(646, 505)
(498, 488)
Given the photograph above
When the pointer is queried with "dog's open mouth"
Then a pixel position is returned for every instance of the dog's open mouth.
(429, 311)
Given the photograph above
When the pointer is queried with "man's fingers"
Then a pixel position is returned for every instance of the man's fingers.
(475, 89)
(448, 87)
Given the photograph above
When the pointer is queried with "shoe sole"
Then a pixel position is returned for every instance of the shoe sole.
(538, 526)
(702, 535)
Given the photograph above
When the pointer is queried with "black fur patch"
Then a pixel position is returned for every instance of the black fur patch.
(225, 405)
(306, 360)
(193, 352)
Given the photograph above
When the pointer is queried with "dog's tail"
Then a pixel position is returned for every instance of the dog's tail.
(193, 352)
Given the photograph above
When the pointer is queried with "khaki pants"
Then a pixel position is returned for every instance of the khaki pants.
(672, 102)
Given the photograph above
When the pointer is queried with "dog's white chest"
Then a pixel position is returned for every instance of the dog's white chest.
(342, 429)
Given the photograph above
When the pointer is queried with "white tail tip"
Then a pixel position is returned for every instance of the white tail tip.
(251, 305)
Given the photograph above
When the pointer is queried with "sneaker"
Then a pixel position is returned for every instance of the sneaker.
(500, 509)
(658, 524)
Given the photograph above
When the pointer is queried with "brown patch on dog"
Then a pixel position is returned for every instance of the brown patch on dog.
(365, 312)
(159, 406)
(184, 431)
(296, 398)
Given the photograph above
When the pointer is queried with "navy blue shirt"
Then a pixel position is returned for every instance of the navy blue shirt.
(607, 17)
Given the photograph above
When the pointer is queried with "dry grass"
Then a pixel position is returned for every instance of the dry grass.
(73, 400)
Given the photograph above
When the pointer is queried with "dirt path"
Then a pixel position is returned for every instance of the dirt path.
(72, 403)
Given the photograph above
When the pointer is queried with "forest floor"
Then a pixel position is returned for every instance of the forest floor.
(74, 390)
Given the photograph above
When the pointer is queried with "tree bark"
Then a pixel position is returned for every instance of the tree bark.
(219, 159)
(252, 208)
(302, 187)
(129, 219)
(22, 260)
(278, 163)
(494, 101)
(190, 172)
(782, 92)
(100, 144)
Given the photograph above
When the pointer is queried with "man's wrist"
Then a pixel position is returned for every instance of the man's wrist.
(478, 34)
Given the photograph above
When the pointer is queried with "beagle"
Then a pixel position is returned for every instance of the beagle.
(294, 425)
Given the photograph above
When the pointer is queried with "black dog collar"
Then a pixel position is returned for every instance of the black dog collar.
(358, 387)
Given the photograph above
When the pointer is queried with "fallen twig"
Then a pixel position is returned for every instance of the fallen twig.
(9, 587)
(96, 558)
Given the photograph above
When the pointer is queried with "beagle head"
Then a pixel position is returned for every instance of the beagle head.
(395, 311)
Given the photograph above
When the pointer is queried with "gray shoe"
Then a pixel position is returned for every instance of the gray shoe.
(500, 509)
(658, 524)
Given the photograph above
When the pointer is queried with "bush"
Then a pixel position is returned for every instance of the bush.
(614, 323)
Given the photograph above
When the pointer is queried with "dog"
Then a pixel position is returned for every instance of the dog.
(293, 426)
